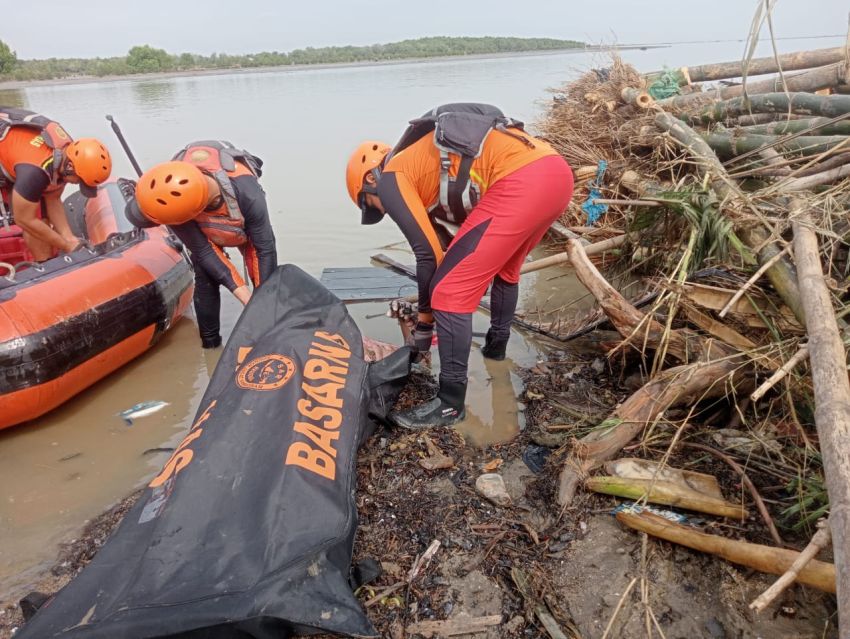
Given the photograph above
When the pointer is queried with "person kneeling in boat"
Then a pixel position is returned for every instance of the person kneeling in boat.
(37, 159)
(209, 195)
(466, 165)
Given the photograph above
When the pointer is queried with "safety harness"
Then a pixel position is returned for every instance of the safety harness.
(222, 161)
(459, 129)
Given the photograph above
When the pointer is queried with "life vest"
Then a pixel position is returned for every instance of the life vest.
(222, 161)
(54, 136)
(459, 129)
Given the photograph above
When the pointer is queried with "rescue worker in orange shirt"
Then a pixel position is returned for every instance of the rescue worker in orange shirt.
(209, 195)
(469, 165)
(37, 159)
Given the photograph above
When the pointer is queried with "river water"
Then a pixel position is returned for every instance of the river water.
(62, 469)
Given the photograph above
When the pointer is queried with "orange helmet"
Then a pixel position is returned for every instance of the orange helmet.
(91, 163)
(172, 192)
(367, 158)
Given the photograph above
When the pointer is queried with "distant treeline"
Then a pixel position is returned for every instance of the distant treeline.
(147, 59)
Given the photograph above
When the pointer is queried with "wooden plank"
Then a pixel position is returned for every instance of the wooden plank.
(366, 284)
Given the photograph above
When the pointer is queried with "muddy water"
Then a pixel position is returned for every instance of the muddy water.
(60, 470)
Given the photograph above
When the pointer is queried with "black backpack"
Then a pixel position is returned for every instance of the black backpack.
(460, 128)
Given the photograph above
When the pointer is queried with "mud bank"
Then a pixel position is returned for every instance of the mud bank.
(580, 564)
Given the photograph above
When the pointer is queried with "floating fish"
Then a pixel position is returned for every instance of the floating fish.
(141, 410)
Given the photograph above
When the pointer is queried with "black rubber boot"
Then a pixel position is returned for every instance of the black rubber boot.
(446, 409)
(494, 348)
(211, 342)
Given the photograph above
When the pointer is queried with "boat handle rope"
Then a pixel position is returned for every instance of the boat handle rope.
(9, 267)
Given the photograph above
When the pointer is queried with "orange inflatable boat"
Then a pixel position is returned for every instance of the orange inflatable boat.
(72, 320)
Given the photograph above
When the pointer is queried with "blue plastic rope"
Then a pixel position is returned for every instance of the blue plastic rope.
(595, 211)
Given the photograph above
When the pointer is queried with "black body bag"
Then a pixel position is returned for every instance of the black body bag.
(248, 529)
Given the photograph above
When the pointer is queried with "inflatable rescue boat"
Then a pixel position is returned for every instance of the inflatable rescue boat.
(72, 320)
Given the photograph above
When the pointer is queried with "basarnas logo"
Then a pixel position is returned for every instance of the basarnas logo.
(265, 373)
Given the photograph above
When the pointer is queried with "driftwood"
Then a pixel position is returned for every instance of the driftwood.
(819, 541)
(758, 66)
(676, 385)
(776, 561)
(828, 362)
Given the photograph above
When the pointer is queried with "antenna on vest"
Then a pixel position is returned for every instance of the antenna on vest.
(125, 145)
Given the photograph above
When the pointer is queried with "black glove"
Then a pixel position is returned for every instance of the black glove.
(421, 336)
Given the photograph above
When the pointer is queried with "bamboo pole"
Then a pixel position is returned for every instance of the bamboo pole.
(828, 106)
(776, 561)
(824, 126)
(658, 491)
(758, 66)
(808, 81)
(824, 177)
(728, 144)
(828, 362)
(637, 97)
(564, 258)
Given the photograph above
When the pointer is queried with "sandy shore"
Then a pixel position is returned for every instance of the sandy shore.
(23, 84)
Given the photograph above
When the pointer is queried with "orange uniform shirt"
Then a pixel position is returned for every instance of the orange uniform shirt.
(501, 155)
(23, 145)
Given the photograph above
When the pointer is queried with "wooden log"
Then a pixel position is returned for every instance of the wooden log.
(729, 144)
(809, 81)
(759, 66)
(828, 362)
(657, 491)
(818, 574)
(807, 104)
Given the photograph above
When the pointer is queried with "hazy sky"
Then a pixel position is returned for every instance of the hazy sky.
(88, 28)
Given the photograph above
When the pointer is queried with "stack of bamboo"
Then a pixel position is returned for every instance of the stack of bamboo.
(749, 179)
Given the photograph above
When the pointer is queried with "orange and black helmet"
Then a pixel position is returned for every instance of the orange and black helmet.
(172, 192)
(90, 161)
(367, 158)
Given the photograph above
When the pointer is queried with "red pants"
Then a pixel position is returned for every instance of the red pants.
(509, 221)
